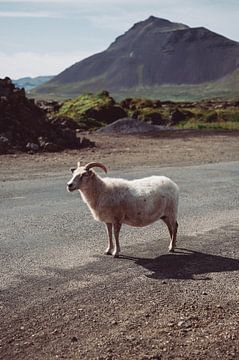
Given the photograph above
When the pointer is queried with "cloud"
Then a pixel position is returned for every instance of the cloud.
(29, 14)
(34, 64)
(83, 2)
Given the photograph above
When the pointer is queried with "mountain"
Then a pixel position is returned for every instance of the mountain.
(29, 83)
(153, 53)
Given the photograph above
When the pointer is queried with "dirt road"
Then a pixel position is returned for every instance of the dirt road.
(118, 152)
(60, 298)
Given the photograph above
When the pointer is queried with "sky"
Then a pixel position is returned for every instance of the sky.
(44, 37)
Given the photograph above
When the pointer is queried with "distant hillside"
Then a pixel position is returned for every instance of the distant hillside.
(152, 55)
(224, 88)
(29, 83)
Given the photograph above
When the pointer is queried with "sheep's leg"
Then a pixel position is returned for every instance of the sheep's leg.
(117, 227)
(174, 237)
(172, 228)
(110, 247)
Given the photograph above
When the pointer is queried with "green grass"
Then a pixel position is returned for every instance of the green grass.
(223, 125)
(78, 107)
(197, 116)
(227, 119)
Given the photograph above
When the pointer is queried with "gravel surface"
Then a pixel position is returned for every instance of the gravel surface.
(60, 298)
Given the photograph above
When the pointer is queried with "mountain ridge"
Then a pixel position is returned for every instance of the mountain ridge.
(153, 52)
(29, 82)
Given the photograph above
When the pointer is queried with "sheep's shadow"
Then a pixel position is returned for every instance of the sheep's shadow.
(185, 264)
(182, 265)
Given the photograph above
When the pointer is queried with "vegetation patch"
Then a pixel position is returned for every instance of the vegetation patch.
(92, 111)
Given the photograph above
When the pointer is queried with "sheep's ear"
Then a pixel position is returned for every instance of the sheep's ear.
(78, 163)
(72, 169)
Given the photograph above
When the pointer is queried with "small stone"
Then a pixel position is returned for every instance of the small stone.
(181, 323)
(50, 147)
(74, 339)
(204, 293)
(164, 282)
(32, 147)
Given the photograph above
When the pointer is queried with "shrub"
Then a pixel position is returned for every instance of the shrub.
(211, 116)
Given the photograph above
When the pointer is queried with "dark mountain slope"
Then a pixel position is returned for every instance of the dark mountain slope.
(153, 52)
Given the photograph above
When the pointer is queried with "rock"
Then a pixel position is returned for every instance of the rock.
(69, 136)
(181, 323)
(74, 339)
(176, 117)
(48, 106)
(6, 86)
(106, 113)
(135, 114)
(87, 143)
(153, 118)
(4, 144)
(50, 147)
(129, 126)
(24, 126)
(32, 147)
(185, 323)
(211, 116)
(126, 103)
(64, 122)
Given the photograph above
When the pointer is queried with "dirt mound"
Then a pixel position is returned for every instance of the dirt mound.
(24, 126)
(130, 126)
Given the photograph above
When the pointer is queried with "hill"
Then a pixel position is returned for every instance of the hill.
(29, 83)
(152, 55)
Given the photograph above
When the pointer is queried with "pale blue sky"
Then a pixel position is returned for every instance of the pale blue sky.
(43, 37)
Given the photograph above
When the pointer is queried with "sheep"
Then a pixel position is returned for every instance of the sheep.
(117, 201)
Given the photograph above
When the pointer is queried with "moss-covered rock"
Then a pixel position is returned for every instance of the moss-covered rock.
(92, 111)
(153, 117)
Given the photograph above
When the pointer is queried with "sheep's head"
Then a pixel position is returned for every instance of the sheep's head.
(83, 176)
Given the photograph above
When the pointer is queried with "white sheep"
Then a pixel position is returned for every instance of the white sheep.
(116, 201)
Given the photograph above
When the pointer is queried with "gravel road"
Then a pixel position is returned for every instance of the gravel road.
(61, 298)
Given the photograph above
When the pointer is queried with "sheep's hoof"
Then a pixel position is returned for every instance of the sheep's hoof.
(171, 250)
(108, 252)
(116, 255)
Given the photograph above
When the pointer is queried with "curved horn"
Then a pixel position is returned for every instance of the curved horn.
(95, 164)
